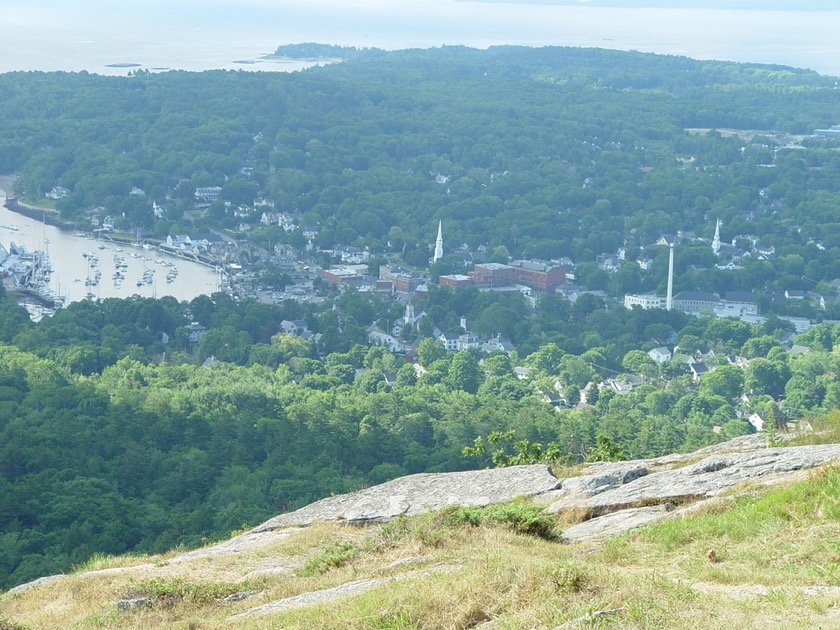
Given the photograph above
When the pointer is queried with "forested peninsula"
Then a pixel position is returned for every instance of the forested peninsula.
(124, 431)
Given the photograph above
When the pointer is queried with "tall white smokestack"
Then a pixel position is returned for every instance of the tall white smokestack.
(669, 298)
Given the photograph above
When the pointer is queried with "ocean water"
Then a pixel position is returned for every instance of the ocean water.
(187, 34)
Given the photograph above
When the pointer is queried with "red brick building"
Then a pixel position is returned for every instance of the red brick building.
(492, 275)
(342, 276)
(403, 281)
(537, 274)
(455, 280)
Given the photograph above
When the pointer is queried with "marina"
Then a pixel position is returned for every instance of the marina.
(51, 268)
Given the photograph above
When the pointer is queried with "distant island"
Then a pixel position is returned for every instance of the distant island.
(313, 50)
(122, 65)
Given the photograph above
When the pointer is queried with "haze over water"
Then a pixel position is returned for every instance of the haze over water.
(212, 34)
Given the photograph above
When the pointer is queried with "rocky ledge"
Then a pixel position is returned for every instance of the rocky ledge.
(609, 497)
(415, 494)
(603, 499)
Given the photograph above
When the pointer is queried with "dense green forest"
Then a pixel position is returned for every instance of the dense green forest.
(113, 440)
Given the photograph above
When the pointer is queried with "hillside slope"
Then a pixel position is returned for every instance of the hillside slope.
(751, 540)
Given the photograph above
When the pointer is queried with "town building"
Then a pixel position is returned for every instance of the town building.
(741, 301)
(455, 281)
(208, 194)
(645, 301)
(696, 302)
(833, 132)
(537, 274)
(342, 276)
(492, 275)
(403, 281)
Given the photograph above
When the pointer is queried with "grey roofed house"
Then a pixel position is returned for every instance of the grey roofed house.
(296, 327)
(698, 369)
(660, 354)
(625, 384)
(497, 344)
(207, 240)
(196, 331)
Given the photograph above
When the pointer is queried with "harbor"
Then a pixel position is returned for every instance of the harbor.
(49, 267)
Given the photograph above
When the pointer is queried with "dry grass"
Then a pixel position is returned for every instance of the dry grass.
(563, 470)
(767, 546)
(825, 430)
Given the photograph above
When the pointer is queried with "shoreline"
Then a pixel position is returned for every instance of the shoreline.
(38, 213)
(51, 217)
(47, 215)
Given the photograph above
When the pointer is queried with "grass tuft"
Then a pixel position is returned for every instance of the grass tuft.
(336, 554)
(168, 592)
(570, 579)
(434, 529)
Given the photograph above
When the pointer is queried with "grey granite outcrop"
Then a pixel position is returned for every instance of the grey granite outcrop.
(706, 478)
(614, 523)
(420, 493)
(619, 495)
(39, 582)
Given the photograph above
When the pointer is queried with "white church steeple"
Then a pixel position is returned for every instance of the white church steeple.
(439, 243)
(716, 240)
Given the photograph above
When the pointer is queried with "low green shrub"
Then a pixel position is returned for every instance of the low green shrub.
(334, 555)
(519, 515)
(171, 591)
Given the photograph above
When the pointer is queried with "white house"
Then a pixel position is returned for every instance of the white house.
(449, 340)
(179, 241)
(660, 354)
(196, 332)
